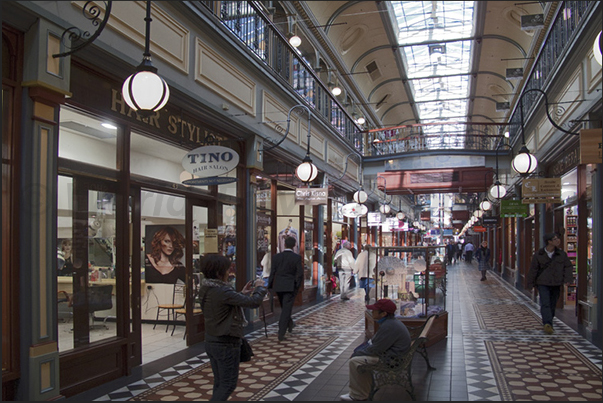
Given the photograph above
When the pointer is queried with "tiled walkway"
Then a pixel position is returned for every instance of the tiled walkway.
(495, 350)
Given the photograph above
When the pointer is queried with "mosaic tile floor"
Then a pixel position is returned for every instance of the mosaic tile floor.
(495, 338)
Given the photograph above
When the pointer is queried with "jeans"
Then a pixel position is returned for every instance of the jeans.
(548, 300)
(224, 358)
(366, 284)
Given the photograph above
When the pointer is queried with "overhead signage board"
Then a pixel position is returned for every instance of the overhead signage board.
(210, 161)
(513, 208)
(541, 187)
(311, 196)
(373, 219)
(489, 221)
(479, 228)
(590, 146)
(354, 210)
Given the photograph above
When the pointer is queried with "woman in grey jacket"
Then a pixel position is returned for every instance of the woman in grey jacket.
(224, 321)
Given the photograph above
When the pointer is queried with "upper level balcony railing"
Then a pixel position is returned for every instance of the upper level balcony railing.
(471, 137)
(569, 21)
(249, 23)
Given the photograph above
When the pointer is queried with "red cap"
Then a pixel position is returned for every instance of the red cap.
(385, 305)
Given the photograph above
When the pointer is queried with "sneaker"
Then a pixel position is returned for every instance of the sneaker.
(548, 329)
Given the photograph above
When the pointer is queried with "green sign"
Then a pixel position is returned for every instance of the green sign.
(513, 208)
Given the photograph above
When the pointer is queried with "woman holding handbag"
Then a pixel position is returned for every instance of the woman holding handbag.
(224, 321)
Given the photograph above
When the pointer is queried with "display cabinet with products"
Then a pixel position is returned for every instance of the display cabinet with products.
(571, 247)
(417, 287)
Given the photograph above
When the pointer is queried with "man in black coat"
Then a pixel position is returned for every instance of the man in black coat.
(550, 269)
(286, 277)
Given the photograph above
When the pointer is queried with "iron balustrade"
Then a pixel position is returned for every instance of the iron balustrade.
(248, 22)
(561, 38)
(434, 136)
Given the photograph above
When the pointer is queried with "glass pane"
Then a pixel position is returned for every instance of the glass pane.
(199, 229)
(86, 292)
(158, 160)
(163, 254)
(309, 253)
(87, 139)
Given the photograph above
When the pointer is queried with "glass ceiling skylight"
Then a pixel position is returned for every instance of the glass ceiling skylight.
(435, 39)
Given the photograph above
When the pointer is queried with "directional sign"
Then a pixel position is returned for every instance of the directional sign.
(541, 187)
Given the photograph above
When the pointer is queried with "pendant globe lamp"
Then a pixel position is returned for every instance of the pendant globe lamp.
(360, 196)
(485, 205)
(145, 91)
(497, 190)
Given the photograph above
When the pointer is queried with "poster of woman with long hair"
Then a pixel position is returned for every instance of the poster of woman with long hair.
(164, 255)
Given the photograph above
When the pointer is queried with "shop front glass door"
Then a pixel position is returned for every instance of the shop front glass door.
(86, 262)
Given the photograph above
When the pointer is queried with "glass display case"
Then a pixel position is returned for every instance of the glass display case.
(414, 278)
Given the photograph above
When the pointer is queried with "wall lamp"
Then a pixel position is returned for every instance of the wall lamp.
(525, 163)
(306, 171)
(144, 91)
(360, 196)
(498, 191)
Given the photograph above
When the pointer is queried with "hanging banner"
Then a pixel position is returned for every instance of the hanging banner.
(513, 208)
(354, 210)
(311, 196)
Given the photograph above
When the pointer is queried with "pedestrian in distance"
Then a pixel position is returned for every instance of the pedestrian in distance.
(286, 278)
(469, 252)
(549, 271)
(482, 255)
(345, 263)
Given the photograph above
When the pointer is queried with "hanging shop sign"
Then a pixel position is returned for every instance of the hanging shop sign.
(541, 190)
(354, 210)
(210, 161)
(513, 208)
(590, 146)
(489, 221)
(374, 219)
(479, 228)
(311, 196)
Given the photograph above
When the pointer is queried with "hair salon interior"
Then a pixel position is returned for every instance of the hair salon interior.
(229, 125)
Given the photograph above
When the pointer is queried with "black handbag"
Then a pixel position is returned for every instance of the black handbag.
(246, 350)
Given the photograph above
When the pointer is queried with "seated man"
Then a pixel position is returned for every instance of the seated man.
(391, 339)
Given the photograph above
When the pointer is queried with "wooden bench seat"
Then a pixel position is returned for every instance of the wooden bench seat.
(398, 371)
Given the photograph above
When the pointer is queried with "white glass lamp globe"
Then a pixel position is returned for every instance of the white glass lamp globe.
(597, 48)
(400, 215)
(524, 163)
(485, 205)
(385, 208)
(295, 41)
(306, 171)
(336, 91)
(360, 197)
(145, 92)
(498, 191)
(478, 213)
(361, 120)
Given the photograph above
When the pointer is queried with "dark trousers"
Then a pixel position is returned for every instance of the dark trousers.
(224, 359)
(548, 300)
(468, 256)
(286, 300)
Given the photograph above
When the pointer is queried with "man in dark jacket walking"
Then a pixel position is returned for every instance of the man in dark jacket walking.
(550, 269)
(286, 277)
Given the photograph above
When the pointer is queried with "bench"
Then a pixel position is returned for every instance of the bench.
(398, 371)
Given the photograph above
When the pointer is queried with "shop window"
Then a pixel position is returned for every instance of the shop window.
(87, 139)
(86, 262)
(158, 160)
(263, 227)
(163, 251)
